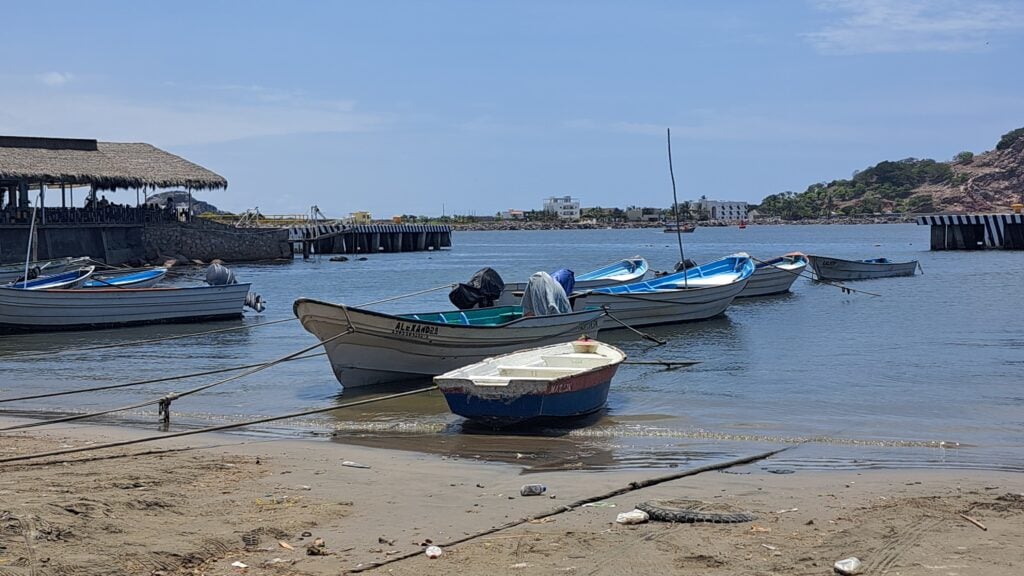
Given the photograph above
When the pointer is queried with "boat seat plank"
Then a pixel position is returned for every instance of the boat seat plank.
(574, 361)
(538, 371)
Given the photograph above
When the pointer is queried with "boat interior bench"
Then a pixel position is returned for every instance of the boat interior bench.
(575, 360)
(538, 371)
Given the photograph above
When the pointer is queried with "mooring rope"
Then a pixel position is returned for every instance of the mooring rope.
(643, 335)
(150, 381)
(845, 289)
(632, 486)
(164, 401)
(211, 428)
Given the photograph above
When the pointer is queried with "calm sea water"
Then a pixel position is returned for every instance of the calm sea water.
(928, 374)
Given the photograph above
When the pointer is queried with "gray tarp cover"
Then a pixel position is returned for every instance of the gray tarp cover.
(544, 296)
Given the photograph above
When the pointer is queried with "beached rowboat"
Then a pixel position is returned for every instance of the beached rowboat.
(775, 276)
(829, 268)
(558, 381)
(378, 347)
(614, 274)
(46, 310)
(706, 292)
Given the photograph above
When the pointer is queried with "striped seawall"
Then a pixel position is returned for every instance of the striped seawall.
(975, 231)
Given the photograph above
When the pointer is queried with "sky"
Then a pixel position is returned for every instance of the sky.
(470, 107)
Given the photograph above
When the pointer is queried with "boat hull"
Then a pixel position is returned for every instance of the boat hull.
(367, 348)
(773, 279)
(49, 310)
(554, 382)
(826, 268)
(544, 404)
(663, 307)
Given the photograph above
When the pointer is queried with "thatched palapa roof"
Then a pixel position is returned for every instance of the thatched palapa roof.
(103, 165)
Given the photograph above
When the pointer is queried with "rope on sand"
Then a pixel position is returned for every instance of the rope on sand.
(570, 507)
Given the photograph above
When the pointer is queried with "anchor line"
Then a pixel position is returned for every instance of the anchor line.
(165, 400)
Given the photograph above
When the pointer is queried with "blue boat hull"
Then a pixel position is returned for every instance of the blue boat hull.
(507, 412)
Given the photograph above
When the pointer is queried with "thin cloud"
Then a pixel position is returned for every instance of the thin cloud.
(55, 78)
(889, 26)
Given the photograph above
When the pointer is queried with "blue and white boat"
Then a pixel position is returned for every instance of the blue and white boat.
(774, 276)
(697, 293)
(12, 272)
(617, 273)
(128, 279)
(560, 381)
(65, 280)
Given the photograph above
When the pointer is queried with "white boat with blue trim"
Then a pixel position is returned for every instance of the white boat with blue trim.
(624, 271)
(775, 276)
(698, 293)
(134, 278)
(560, 381)
(68, 280)
(12, 272)
(367, 347)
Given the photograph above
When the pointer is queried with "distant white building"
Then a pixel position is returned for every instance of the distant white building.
(721, 210)
(566, 207)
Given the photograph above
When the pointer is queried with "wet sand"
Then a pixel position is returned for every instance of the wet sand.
(197, 505)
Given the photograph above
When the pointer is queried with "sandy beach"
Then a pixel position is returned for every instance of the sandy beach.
(209, 504)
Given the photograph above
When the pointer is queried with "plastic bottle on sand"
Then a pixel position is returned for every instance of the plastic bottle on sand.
(532, 489)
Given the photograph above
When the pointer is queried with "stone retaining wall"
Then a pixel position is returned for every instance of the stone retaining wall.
(205, 240)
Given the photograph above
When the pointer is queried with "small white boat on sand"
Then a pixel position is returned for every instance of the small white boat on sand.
(559, 381)
(829, 268)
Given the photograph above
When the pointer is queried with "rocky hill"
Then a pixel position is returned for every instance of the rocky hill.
(988, 182)
(180, 197)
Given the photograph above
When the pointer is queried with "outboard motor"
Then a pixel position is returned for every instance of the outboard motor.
(217, 274)
(482, 290)
(685, 265)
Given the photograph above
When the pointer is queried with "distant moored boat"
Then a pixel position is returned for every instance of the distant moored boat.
(829, 268)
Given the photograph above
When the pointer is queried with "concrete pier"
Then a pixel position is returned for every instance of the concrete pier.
(369, 238)
(975, 231)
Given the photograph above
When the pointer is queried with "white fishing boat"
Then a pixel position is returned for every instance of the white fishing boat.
(830, 268)
(132, 278)
(617, 273)
(12, 272)
(68, 280)
(559, 381)
(698, 293)
(46, 310)
(774, 276)
(367, 347)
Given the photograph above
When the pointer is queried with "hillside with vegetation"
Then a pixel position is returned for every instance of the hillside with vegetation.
(988, 182)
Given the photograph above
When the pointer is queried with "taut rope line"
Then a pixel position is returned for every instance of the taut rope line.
(165, 401)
